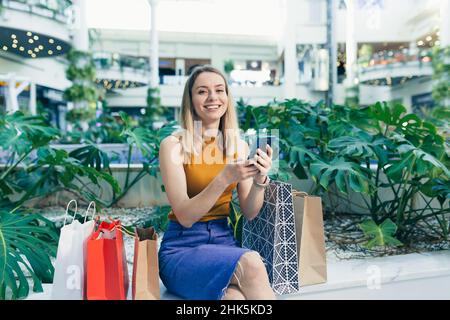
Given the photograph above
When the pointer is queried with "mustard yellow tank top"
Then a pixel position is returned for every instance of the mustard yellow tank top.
(200, 173)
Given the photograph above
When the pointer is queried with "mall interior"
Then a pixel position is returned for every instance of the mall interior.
(325, 50)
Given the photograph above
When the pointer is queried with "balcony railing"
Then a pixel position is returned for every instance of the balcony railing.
(113, 61)
(382, 59)
(59, 10)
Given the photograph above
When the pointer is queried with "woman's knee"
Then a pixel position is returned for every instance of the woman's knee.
(253, 268)
(233, 293)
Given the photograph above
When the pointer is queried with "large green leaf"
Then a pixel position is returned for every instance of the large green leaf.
(91, 155)
(352, 146)
(26, 243)
(382, 235)
(343, 172)
(22, 132)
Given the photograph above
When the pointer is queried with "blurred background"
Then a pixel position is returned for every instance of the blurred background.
(352, 51)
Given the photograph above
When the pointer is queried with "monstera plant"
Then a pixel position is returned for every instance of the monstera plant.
(364, 151)
(31, 170)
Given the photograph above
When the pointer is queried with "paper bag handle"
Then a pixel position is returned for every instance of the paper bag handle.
(67, 210)
(299, 193)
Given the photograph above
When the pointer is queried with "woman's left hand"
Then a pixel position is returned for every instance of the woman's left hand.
(263, 161)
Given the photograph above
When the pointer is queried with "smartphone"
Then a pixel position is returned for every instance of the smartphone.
(260, 141)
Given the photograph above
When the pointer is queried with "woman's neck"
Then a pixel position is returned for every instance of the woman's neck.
(210, 130)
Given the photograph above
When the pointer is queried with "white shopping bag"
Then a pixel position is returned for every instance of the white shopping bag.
(69, 278)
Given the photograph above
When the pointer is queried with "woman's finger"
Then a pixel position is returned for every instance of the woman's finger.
(265, 163)
(261, 168)
(269, 150)
(263, 154)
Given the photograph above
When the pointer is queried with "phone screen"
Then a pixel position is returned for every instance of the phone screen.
(260, 142)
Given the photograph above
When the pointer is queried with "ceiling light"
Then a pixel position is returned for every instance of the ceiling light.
(13, 36)
(21, 48)
(14, 45)
(33, 56)
(420, 43)
(29, 34)
(36, 49)
(30, 40)
(429, 38)
(5, 48)
(30, 52)
(41, 47)
(36, 38)
(51, 41)
(58, 48)
(15, 41)
(50, 52)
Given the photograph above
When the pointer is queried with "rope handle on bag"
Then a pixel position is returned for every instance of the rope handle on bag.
(92, 203)
(67, 210)
(121, 228)
(124, 230)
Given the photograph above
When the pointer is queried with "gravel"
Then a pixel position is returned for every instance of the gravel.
(343, 239)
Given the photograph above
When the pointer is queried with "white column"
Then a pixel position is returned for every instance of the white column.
(350, 43)
(445, 24)
(32, 104)
(81, 35)
(290, 53)
(154, 46)
(12, 104)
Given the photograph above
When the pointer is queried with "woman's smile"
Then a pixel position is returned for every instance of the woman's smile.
(212, 107)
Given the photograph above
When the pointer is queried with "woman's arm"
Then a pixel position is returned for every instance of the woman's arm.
(190, 210)
(251, 197)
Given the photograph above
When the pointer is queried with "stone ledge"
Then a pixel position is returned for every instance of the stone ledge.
(410, 276)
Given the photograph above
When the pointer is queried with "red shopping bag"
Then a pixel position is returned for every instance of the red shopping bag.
(107, 272)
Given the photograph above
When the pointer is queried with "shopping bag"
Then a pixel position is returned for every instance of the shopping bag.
(288, 234)
(69, 276)
(107, 272)
(310, 238)
(145, 282)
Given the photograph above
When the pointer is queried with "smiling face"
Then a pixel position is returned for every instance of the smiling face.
(209, 98)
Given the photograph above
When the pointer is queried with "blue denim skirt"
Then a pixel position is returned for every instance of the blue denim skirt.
(197, 263)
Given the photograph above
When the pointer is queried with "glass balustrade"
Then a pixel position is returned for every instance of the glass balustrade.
(55, 9)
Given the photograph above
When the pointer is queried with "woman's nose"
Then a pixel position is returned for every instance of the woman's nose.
(212, 96)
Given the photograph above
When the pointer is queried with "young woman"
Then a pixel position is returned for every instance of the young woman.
(200, 166)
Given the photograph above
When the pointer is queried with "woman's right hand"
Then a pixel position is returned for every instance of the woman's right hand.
(238, 171)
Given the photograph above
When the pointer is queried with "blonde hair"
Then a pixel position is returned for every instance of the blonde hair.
(228, 127)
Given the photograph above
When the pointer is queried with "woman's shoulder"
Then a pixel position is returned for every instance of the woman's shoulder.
(170, 141)
(171, 145)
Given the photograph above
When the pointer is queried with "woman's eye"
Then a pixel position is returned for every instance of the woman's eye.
(201, 92)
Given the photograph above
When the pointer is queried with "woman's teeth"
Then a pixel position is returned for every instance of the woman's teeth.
(212, 107)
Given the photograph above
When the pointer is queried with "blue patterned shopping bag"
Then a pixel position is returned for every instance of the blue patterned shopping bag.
(272, 233)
